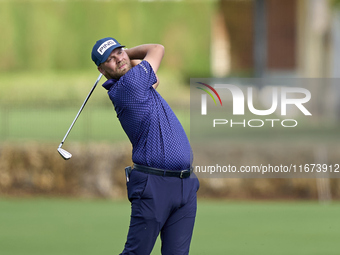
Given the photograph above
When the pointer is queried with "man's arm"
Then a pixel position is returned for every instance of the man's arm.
(135, 62)
(153, 53)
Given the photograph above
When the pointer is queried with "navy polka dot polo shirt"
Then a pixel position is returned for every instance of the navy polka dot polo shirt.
(157, 136)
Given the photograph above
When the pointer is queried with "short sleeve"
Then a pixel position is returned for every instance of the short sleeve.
(139, 79)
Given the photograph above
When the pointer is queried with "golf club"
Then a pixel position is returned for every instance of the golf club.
(65, 154)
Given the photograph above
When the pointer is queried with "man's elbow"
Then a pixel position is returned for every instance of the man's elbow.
(160, 48)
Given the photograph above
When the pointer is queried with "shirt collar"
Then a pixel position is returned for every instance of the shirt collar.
(109, 83)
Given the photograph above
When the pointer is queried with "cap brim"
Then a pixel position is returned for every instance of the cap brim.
(108, 52)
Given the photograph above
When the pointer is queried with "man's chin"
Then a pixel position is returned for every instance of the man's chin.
(126, 69)
(120, 74)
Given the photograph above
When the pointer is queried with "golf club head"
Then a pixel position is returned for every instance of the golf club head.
(65, 154)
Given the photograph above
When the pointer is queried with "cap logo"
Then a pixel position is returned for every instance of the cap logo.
(105, 45)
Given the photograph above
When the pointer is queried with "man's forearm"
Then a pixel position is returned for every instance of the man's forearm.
(153, 53)
(140, 52)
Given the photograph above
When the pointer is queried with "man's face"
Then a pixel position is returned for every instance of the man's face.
(116, 65)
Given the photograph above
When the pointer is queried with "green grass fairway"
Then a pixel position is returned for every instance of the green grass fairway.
(62, 226)
(51, 124)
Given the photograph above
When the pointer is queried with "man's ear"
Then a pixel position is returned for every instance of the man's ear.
(101, 70)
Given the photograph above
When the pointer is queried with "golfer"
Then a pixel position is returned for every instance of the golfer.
(161, 186)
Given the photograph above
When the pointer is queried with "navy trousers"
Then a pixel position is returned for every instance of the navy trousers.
(160, 205)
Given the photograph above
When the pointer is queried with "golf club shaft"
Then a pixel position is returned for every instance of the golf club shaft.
(80, 110)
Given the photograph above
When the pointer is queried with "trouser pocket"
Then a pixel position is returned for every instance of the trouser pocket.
(136, 184)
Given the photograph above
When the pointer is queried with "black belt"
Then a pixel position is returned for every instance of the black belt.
(162, 172)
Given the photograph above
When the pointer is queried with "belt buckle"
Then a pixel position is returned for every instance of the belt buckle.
(181, 175)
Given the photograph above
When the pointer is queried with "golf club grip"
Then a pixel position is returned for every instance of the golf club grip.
(81, 108)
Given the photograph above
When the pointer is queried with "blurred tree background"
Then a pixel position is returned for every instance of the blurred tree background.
(53, 35)
(46, 45)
